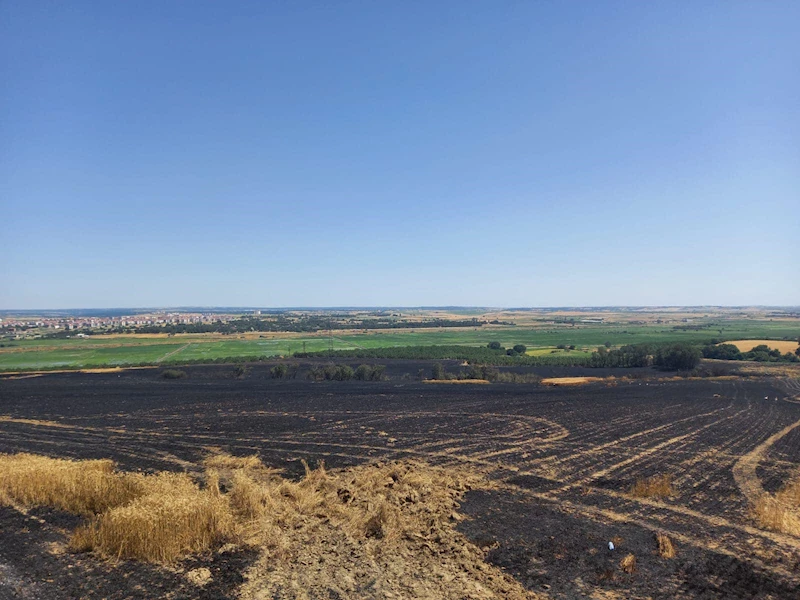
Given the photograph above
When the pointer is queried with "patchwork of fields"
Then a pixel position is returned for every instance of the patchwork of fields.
(99, 351)
(563, 459)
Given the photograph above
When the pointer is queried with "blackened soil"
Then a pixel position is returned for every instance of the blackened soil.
(563, 460)
(567, 556)
(36, 564)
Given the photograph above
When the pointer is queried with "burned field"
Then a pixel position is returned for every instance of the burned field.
(563, 462)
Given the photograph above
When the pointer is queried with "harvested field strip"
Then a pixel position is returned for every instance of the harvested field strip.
(687, 537)
(592, 452)
(694, 471)
(584, 470)
(573, 380)
(654, 449)
(782, 345)
(692, 520)
(781, 511)
(744, 472)
(458, 381)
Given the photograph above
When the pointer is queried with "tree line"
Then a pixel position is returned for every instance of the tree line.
(760, 353)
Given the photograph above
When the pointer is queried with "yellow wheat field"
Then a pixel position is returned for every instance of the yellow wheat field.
(782, 345)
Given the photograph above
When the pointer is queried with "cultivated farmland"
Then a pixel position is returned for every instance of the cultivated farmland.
(657, 466)
(541, 332)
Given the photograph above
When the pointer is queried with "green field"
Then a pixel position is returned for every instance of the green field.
(100, 351)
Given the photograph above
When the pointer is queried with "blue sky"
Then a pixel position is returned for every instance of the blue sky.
(399, 153)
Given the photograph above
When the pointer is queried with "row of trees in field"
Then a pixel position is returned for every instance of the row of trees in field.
(483, 372)
(339, 372)
(761, 353)
(669, 357)
(517, 350)
(472, 354)
(674, 357)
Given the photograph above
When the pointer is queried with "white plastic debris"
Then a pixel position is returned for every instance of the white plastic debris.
(610, 545)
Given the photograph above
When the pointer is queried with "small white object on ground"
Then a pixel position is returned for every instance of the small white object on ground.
(610, 545)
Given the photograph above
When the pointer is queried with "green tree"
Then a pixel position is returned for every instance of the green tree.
(678, 357)
(279, 371)
(520, 349)
(438, 371)
(363, 372)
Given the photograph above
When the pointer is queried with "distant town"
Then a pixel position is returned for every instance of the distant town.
(19, 327)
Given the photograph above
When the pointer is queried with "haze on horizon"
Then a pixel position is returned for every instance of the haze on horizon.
(369, 154)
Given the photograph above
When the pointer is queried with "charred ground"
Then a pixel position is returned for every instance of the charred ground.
(564, 460)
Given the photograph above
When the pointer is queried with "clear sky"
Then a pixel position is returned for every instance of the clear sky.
(525, 153)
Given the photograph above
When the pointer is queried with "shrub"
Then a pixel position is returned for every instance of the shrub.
(494, 346)
(628, 563)
(342, 373)
(506, 377)
(678, 357)
(369, 373)
(240, 371)
(520, 349)
(279, 371)
(438, 372)
(331, 372)
(665, 547)
(173, 374)
(657, 486)
(316, 373)
(722, 352)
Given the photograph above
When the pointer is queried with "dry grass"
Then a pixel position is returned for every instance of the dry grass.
(376, 523)
(174, 518)
(226, 461)
(782, 345)
(628, 564)
(657, 486)
(154, 518)
(570, 380)
(666, 548)
(780, 512)
(86, 487)
(456, 381)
